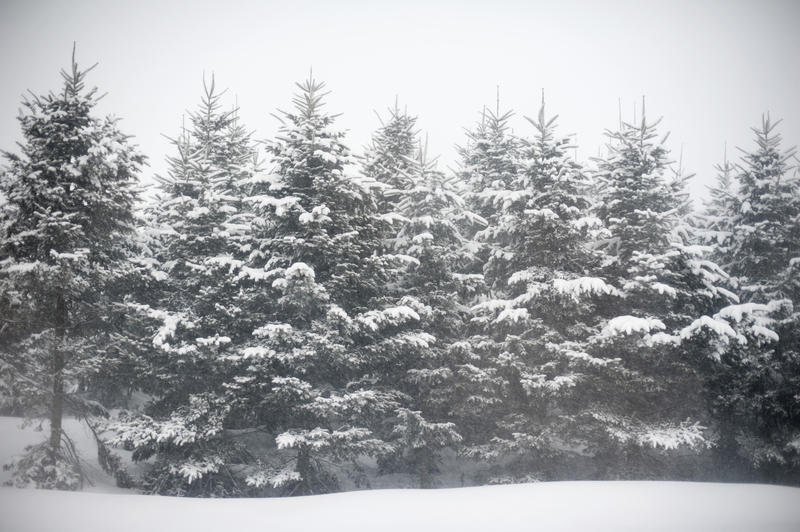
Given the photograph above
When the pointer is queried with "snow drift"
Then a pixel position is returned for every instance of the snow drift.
(554, 506)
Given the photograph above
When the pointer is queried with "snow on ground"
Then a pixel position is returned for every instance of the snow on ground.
(554, 506)
(557, 506)
(14, 438)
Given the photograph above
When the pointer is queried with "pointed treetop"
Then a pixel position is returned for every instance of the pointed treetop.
(644, 117)
(310, 99)
(73, 80)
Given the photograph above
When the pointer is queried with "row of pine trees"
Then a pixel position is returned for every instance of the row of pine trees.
(293, 319)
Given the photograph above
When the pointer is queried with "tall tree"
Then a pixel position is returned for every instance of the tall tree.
(533, 330)
(669, 295)
(319, 369)
(756, 384)
(201, 305)
(69, 204)
(431, 211)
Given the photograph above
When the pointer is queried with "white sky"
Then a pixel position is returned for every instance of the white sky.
(709, 68)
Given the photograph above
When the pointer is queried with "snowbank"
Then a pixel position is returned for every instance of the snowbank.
(555, 506)
(558, 506)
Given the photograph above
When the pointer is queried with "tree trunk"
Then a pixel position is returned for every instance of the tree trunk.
(304, 468)
(424, 459)
(57, 405)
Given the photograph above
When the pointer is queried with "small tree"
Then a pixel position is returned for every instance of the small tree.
(715, 220)
(387, 159)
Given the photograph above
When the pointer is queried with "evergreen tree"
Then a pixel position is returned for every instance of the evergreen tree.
(664, 327)
(715, 220)
(199, 303)
(320, 369)
(69, 204)
(755, 386)
(489, 165)
(205, 234)
(431, 210)
(534, 329)
(765, 236)
(338, 238)
(388, 158)
(639, 203)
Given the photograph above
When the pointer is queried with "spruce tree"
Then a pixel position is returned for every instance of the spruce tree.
(714, 222)
(431, 210)
(765, 237)
(319, 369)
(665, 326)
(69, 204)
(489, 161)
(388, 158)
(533, 330)
(755, 385)
(199, 303)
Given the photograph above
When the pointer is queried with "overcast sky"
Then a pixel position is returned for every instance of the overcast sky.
(709, 68)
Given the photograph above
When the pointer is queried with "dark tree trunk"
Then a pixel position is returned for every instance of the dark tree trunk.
(57, 405)
(304, 468)
(424, 459)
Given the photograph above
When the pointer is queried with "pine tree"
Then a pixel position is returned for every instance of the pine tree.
(205, 223)
(489, 165)
(665, 326)
(715, 220)
(431, 211)
(336, 239)
(534, 328)
(640, 204)
(319, 368)
(765, 237)
(388, 158)
(69, 204)
(755, 386)
(199, 305)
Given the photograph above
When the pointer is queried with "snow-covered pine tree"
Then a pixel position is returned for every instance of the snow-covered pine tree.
(201, 304)
(756, 384)
(764, 238)
(490, 160)
(205, 233)
(338, 238)
(534, 328)
(431, 210)
(489, 163)
(317, 369)
(715, 219)
(669, 293)
(69, 205)
(387, 160)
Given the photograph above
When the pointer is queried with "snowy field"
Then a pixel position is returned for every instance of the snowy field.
(558, 506)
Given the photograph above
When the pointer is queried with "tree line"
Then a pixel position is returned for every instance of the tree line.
(293, 312)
